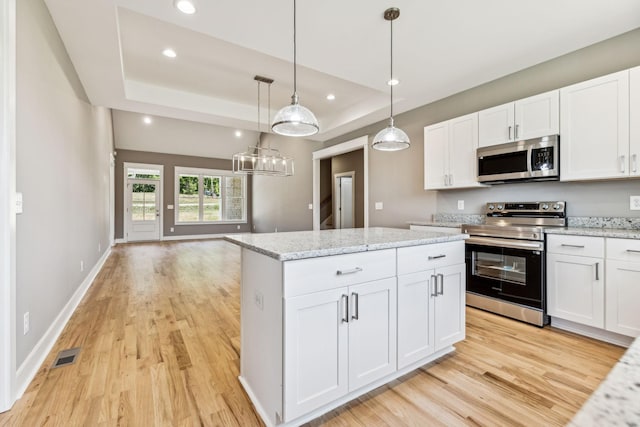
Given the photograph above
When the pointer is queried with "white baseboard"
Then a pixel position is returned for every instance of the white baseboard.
(29, 368)
(196, 236)
(591, 332)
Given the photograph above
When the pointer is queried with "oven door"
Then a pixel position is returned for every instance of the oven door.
(507, 269)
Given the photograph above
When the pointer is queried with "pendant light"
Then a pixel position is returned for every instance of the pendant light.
(259, 160)
(294, 119)
(391, 138)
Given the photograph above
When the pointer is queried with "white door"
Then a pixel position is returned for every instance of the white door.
(634, 136)
(496, 125)
(372, 332)
(622, 296)
(538, 116)
(315, 357)
(436, 156)
(463, 143)
(449, 306)
(415, 319)
(345, 200)
(143, 211)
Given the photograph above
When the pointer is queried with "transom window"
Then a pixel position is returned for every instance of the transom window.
(209, 196)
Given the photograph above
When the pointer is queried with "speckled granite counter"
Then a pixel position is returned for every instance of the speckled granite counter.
(435, 223)
(617, 401)
(310, 244)
(621, 233)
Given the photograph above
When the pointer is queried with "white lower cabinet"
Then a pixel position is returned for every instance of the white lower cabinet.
(337, 341)
(431, 314)
(623, 287)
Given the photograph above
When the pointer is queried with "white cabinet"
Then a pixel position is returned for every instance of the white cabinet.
(431, 314)
(527, 118)
(450, 153)
(634, 126)
(594, 141)
(575, 279)
(623, 286)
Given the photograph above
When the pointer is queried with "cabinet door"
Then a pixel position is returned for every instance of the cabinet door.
(449, 306)
(495, 125)
(594, 128)
(315, 351)
(634, 137)
(416, 294)
(537, 116)
(436, 156)
(463, 143)
(575, 289)
(372, 332)
(623, 294)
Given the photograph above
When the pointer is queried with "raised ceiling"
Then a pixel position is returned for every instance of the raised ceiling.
(440, 48)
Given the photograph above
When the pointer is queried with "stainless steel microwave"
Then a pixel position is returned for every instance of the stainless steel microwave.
(529, 160)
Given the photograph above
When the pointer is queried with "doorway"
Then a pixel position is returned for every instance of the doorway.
(345, 197)
(143, 202)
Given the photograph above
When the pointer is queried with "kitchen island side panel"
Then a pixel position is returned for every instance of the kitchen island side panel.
(261, 333)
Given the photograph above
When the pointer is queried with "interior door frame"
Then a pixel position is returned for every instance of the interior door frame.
(125, 196)
(7, 203)
(337, 191)
(361, 142)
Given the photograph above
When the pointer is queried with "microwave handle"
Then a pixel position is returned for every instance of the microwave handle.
(529, 158)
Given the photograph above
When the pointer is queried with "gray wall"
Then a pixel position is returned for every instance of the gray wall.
(397, 178)
(170, 161)
(347, 162)
(282, 203)
(62, 152)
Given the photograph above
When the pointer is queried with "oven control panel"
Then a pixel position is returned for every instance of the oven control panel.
(506, 209)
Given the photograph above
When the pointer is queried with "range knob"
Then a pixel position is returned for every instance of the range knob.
(491, 207)
(500, 207)
(545, 206)
(556, 206)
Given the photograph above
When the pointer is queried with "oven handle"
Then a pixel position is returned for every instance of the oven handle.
(506, 243)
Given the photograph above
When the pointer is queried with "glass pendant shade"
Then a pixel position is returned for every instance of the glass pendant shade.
(391, 138)
(295, 120)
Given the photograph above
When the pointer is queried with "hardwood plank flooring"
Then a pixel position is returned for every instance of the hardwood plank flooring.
(160, 338)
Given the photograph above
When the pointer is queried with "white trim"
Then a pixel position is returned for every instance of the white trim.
(334, 150)
(7, 203)
(591, 332)
(29, 368)
(112, 197)
(125, 196)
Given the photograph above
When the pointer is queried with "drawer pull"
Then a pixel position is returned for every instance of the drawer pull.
(430, 257)
(564, 245)
(633, 251)
(434, 282)
(441, 276)
(597, 271)
(351, 271)
(356, 306)
(345, 308)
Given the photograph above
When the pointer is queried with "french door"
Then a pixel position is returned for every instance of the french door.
(143, 210)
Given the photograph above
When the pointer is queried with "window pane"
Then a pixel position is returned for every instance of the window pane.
(143, 202)
(233, 186)
(150, 205)
(188, 199)
(233, 209)
(211, 200)
(234, 198)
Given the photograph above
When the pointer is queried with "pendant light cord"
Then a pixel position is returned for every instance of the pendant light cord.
(391, 78)
(295, 80)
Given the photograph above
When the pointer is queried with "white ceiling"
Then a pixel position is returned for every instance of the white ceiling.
(440, 48)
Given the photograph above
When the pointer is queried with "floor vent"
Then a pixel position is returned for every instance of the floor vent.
(66, 357)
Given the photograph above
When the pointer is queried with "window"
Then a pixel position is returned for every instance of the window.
(209, 196)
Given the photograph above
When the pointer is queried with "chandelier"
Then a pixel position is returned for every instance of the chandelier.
(259, 160)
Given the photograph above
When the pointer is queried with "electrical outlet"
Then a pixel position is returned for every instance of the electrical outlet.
(238, 227)
(460, 205)
(26, 323)
(81, 266)
(171, 229)
(634, 203)
(258, 299)
(310, 206)
(379, 206)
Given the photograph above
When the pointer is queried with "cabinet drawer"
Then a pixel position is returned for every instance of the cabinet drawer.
(426, 257)
(623, 249)
(317, 274)
(576, 245)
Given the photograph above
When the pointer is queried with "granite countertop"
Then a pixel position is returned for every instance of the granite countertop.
(436, 223)
(310, 244)
(616, 402)
(622, 233)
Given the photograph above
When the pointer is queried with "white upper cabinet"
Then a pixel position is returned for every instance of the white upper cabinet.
(634, 137)
(450, 153)
(527, 118)
(594, 141)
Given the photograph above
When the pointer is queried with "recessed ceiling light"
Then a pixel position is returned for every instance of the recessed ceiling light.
(147, 120)
(169, 53)
(393, 82)
(238, 134)
(331, 97)
(186, 6)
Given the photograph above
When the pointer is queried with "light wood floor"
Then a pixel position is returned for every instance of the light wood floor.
(159, 332)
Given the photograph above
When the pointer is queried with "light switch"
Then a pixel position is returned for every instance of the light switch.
(379, 206)
(310, 206)
(18, 203)
(169, 207)
(634, 203)
(460, 205)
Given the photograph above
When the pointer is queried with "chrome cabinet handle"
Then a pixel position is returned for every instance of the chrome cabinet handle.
(597, 271)
(564, 245)
(441, 292)
(345, 308)
(450, 179)
(516, 135)
(430, 257)
(434, 282)
(622, 169)
(509, 132)
(633, 251)
(634, 163)
(356, 306)
(350, 271)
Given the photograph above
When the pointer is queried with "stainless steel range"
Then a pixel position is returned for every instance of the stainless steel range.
(505, 259)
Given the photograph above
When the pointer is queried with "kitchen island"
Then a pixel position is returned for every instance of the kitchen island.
(327, 316)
